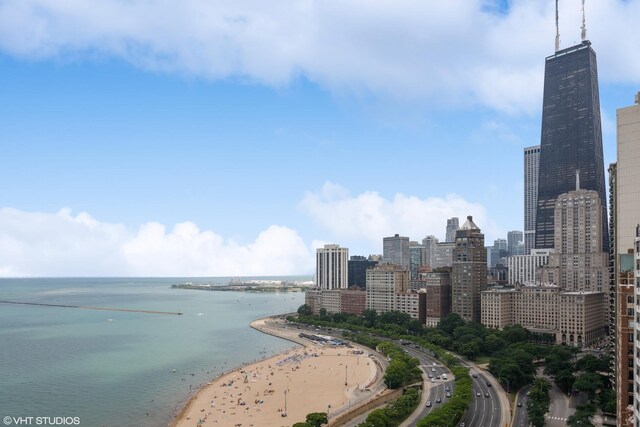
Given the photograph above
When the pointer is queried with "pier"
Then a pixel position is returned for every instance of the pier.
(87, 307)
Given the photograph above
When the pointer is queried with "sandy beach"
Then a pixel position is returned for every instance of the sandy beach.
(312, 378)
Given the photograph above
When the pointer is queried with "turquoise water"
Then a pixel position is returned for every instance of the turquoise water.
(113, 368)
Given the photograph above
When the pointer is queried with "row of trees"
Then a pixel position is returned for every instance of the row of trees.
(538, 403)
(403, 369)
(394, 413)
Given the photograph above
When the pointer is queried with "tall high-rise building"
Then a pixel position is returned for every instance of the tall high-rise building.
(571, 137)
(443, 256)
(514, 238)
(429, 243)
(416, 259)
(636, 351)
(469, 275)
(383, 282)
(357, 270)
(624, 188)
(395, 250)
(522, 269)
(453, 225)
(531, 166)
(498, 253)
(331, 267)
(628, 175)
(578, 262)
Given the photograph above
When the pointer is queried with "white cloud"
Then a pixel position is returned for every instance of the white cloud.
(370, 216)
(458, 52)
(61, 244)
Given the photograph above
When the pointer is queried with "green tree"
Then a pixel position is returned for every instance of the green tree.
(591, 363)
(378, 418)
(565, 380)
(493, 344)
(589, 383)
(302, 424)
(316, 419)
(370, 317)
(450, 323)
(607, 401)
(323, 312)
(582, 416)
(538, 402)
(305, 310)
(514, 334)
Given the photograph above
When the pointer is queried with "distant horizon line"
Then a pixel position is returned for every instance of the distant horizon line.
(152, 277)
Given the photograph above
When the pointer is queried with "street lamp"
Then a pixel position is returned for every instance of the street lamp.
(346, 369)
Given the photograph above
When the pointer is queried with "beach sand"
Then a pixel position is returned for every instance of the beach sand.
(313, 378)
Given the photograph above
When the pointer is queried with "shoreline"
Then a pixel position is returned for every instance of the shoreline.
(315, 357)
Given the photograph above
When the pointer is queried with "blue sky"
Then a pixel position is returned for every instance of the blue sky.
(266, 140)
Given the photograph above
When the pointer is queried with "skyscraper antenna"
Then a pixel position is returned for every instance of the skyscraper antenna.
(557, 29)
(584, 25)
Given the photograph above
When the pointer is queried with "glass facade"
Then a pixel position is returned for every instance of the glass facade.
(571, 138)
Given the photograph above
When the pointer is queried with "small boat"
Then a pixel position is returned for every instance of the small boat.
(173, 371)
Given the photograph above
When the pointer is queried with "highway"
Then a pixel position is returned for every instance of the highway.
(484, 411)
(520, 417)
(436, 390)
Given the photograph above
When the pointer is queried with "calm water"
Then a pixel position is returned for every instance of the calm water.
(115, 369)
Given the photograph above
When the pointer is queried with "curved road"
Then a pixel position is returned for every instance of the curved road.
(520, 417)
(483, 411)
(434, 391)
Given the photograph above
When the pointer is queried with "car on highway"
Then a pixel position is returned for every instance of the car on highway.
(438, 400)
(428, 405)
(478, 394)
(474, 375)
(488, 384)
(519, 404)
(448, 394)
(487, 395)
(446, 388)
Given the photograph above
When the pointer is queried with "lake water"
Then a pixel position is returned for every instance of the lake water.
(115, 368)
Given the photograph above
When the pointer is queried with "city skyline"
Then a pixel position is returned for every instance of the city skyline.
(126, 154)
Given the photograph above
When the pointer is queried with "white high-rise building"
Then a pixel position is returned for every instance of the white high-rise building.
(531, 166)
(429, 244)
(625, 236)
(522, 268)
(331, 267)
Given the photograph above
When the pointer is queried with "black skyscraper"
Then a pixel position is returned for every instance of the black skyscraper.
(571, 139)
